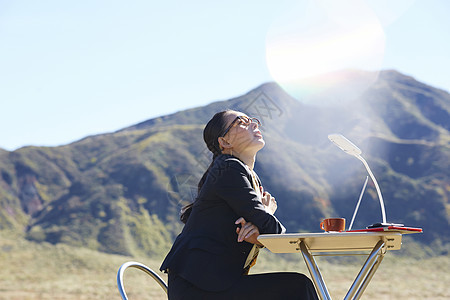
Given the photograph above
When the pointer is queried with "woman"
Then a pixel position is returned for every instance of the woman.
(211, 257)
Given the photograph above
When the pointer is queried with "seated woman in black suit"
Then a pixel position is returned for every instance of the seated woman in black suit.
(211, 257)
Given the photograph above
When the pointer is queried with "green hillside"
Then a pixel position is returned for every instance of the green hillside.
(121, 192)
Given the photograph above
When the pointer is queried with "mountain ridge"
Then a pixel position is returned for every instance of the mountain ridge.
(121, 192)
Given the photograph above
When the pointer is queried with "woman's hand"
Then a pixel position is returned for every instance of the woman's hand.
(247, 232)
(268, 201)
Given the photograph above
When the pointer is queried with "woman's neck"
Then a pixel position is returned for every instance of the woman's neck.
(248, 159)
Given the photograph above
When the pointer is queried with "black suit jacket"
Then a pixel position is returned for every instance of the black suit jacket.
(206, 253)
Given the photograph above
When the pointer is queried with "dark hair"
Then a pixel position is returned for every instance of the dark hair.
(213, 130)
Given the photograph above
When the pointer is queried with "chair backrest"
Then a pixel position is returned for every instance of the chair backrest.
(142, 267)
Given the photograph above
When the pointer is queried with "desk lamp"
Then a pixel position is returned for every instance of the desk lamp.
(348, 147)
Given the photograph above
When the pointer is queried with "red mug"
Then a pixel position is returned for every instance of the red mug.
(333, 224)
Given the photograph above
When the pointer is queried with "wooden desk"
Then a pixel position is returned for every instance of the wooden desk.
(376, 243)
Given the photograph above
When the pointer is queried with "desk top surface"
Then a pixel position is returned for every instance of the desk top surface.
(330, 241)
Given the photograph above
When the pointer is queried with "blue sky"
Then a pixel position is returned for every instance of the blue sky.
(69, 69)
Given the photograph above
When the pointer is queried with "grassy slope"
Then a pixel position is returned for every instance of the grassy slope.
(44, 271)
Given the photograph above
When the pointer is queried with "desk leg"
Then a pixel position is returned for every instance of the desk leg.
(369, 277)
(315, 272)
(367, 271)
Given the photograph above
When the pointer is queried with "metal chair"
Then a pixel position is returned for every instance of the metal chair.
(142, 267)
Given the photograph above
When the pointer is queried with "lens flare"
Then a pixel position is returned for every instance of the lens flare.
(314, 50)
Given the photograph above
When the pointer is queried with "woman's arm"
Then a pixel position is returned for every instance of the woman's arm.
(233, 185)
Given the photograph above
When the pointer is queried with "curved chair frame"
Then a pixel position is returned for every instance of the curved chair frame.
(142, 267)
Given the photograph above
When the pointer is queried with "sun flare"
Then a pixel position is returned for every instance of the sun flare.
(323, 39)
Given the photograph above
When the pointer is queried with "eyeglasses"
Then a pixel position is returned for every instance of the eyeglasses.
(243, 120)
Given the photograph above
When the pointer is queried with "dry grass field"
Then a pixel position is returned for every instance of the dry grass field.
(43, 271)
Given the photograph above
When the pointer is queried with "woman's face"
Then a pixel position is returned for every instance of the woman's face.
(243, 133)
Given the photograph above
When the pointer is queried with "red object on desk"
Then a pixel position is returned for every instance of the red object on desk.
(401, 229)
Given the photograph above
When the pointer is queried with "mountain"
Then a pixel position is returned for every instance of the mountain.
(121, 192)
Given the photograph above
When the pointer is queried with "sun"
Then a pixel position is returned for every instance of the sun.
(308, 48)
